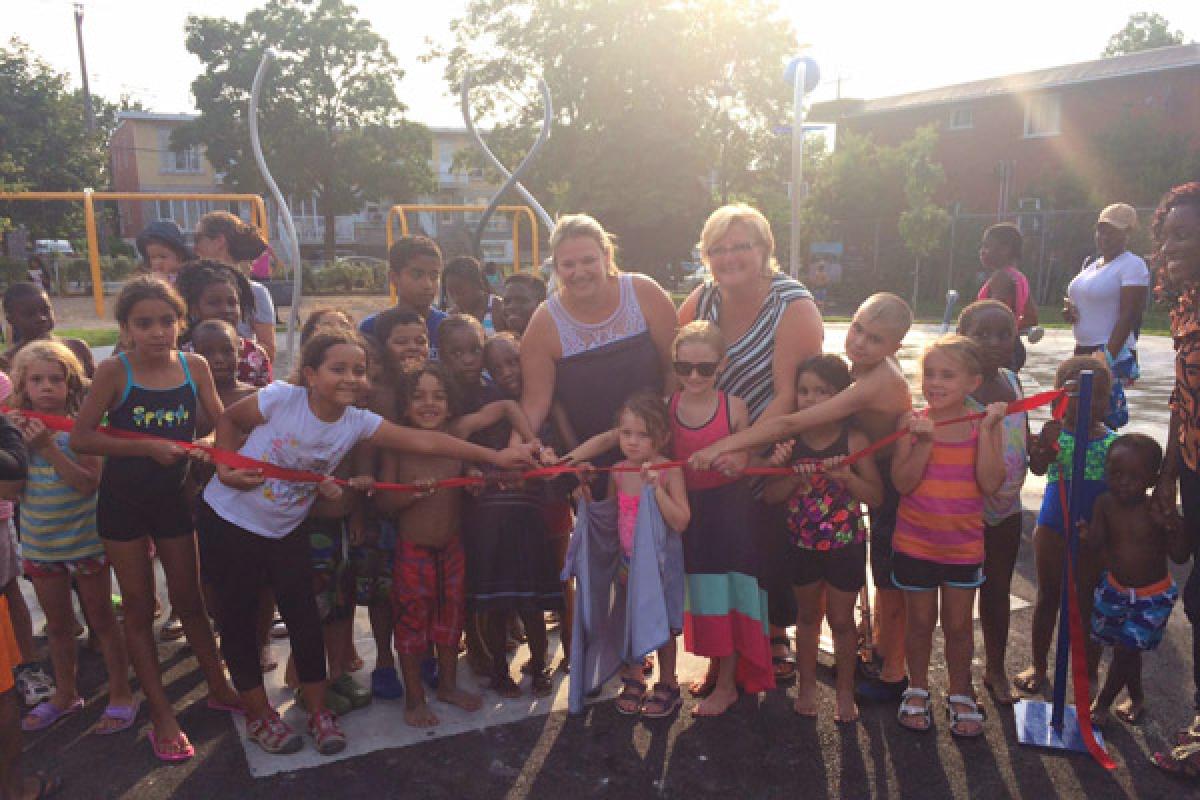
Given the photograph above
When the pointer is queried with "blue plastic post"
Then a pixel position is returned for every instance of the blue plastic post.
(1083, 427)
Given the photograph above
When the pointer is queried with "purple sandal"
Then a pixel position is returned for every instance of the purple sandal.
(122, 715)
(45, 714)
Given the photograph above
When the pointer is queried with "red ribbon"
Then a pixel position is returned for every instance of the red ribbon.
(229, 458)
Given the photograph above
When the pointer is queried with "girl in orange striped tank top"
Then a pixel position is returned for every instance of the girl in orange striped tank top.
(943, 470)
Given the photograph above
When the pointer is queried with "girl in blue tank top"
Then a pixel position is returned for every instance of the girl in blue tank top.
(153, 389)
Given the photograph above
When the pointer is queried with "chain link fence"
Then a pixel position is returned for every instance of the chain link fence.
(1056, 245)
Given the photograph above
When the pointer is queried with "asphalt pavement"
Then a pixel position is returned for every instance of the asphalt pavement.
(759, 749)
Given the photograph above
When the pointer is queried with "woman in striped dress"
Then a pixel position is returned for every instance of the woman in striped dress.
(756, 306)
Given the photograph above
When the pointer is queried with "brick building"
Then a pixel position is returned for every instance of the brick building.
(1003, 137)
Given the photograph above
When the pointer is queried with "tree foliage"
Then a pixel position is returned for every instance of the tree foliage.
(1145, 30)
(44, 143)
(638, 128)
(330, 121)
(1142, 158)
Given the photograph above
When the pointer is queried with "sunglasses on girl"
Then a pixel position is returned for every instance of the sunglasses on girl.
(706, 368)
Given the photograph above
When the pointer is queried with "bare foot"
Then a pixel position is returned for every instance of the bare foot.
(421, 716)
(1129, 712)
(806, 701)
(705, 686)
(717, 702)
(461, 698)
(1031, 680)
(1100, 716)
(1000, 689)
(847, 709)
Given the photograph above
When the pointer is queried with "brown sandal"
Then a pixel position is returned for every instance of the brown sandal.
(1183, 761)
(633, 693)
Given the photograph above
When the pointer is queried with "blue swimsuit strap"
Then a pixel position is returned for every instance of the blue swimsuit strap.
(129, 382)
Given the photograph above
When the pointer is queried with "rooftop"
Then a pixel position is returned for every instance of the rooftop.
(1158, 60)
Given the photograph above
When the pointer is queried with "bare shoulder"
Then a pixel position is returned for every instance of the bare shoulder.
(690, 306)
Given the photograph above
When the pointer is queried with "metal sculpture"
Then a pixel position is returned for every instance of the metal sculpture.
(802, 74)
(512, 179)
(289, 224)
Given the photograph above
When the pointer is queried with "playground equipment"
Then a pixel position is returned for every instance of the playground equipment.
(289, 224)
(802, 74)
(1056, 725)
(512, 179)
(89, 198)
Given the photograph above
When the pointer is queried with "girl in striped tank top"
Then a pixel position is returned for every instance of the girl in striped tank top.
(943, 471)
(59, 538)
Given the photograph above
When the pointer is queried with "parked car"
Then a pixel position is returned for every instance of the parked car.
(694, 274)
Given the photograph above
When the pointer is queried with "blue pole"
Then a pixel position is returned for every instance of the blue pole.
(1083, 426)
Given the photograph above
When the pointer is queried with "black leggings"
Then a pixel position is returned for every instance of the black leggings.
(240, 564)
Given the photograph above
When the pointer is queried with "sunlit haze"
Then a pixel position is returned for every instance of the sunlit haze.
(136, 47)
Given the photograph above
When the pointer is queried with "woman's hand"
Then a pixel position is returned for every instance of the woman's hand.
(1069, 311)
(732, 464)
(240, 479)
(703, 459)
(781, 453)
(515, 457)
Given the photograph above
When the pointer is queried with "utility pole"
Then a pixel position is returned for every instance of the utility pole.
(89, 119)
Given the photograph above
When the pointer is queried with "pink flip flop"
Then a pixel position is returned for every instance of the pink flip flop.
(216, 705)
(46, 714)
(185, 752)
(123, 715)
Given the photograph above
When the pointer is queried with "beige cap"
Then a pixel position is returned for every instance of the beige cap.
(1119, 215)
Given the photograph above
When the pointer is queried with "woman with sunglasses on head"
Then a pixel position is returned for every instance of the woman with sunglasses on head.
(755, 306)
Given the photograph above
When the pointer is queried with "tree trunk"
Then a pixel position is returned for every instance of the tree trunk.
(330, 233)
(916, 282)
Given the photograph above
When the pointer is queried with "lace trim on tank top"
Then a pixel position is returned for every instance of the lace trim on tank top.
(579, 337)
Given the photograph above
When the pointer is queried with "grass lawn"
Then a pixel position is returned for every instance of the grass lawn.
(95, 337)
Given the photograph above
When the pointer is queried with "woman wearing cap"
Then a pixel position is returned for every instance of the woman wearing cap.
(163, 250)
(1105, 300)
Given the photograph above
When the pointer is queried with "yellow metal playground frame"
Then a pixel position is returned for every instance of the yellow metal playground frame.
(258, 218)
(402, 211)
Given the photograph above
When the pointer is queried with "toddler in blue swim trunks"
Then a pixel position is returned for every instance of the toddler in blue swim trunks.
(1051, 453)
(1133, 600)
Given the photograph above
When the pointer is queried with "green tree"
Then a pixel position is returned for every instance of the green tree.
(1142, 158)
(639, 129)
(1145, 30)
(44, 145)
(330, 120)
(923, 224)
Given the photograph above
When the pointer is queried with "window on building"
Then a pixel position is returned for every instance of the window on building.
(962, 119)
(1042, 115)
(186, 160)
(185, 213)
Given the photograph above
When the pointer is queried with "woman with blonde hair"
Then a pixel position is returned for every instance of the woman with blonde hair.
(756, 306)
(601, 336)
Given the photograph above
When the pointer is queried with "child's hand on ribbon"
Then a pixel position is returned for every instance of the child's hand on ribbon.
(240, 479)
(165, 452)
(329, 489)
(920, 426)
(996, 412)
